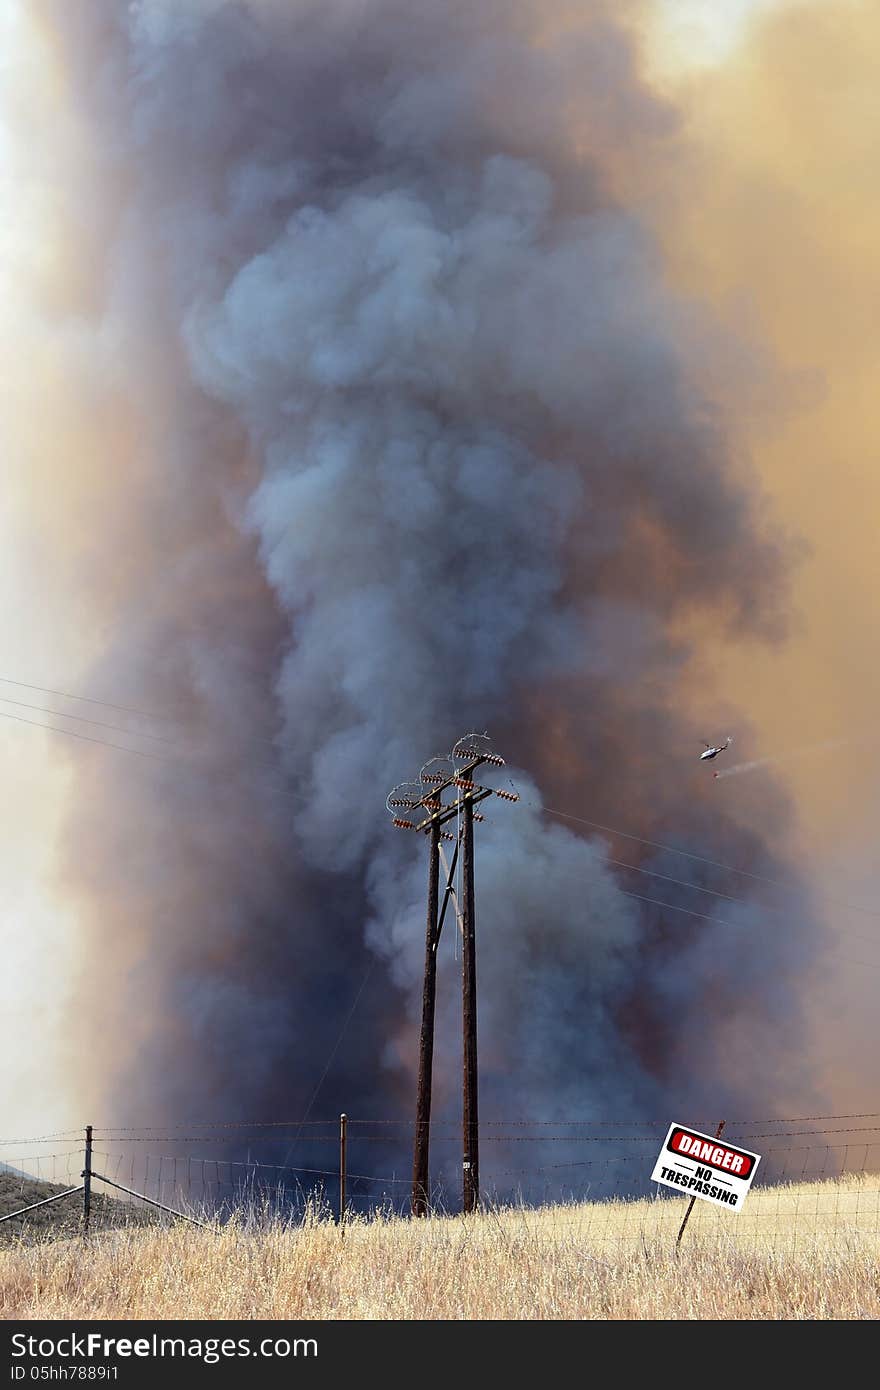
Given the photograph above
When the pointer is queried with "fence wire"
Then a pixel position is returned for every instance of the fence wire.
(818, 1179)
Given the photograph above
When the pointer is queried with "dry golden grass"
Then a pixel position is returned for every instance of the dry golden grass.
(802, 1251)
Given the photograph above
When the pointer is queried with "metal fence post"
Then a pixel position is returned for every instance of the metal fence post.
(87, 1182)
(343, 1137)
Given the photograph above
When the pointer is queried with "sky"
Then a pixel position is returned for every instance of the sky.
(690, 34)
(780, 242)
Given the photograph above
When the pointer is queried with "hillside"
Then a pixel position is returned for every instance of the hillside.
(61, 1218)
(801, 1251)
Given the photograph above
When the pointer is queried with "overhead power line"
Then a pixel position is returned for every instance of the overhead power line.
(83, 719)
(343, 1030)
(88, 699)
(673, 907)
(688, 854)
(547, 810)
(87, 738)
(701, 888)
(107, 704)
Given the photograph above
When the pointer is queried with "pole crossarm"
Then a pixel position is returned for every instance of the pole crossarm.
(453, 778)
(450, 811)
(434, 785)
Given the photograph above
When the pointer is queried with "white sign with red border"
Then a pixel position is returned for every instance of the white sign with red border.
(698, 1165)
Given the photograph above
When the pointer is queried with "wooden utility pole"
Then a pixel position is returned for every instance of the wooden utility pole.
(470, 1123)
(452, 773)
(421, 1146)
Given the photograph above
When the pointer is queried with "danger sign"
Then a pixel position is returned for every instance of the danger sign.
(701, 1166)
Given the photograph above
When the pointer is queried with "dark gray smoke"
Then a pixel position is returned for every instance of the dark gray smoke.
(410, 447)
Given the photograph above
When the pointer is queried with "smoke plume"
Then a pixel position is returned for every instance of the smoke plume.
(828, 746)
(390, 429)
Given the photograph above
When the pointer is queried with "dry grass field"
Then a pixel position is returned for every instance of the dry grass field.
(800, 1251)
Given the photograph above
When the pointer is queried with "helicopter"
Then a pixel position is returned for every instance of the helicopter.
(712, 751)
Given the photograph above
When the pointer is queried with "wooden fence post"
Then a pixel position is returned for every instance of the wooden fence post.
(693, 1199)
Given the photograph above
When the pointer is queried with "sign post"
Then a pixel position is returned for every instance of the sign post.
(701, 1166)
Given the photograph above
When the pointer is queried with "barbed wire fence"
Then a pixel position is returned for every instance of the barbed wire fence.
(818, 1175)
